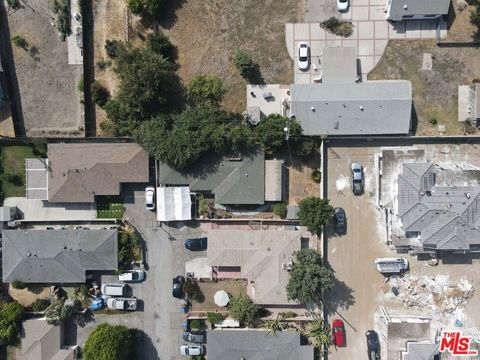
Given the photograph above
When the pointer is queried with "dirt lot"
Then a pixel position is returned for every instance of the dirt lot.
(300, 183)
(48, 85)
(462, 29)
(208, 289)
(110, 17)
(207, 33)
(435, 91)
(360, 287)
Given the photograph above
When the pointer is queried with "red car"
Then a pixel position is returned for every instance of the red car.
(338, 330)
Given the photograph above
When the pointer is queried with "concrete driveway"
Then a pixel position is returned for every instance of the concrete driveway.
(371, 33)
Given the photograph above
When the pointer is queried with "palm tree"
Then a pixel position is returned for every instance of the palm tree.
(321, 332)
(275, 325)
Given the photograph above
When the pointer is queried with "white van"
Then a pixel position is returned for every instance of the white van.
(114, 289)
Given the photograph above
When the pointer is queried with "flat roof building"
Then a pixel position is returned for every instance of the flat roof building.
(398, 10)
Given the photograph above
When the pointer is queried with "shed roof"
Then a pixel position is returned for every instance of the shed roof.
(371, 108)
(260, 255)
(401, 8)
(273, 180)
(256, 345)
(57, 256)
(234, 179)
(80, 171)
(174, 203)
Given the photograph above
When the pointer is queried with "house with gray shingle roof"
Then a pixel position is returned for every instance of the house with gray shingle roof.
(437, 217)
(57, 256)
(77, 172)
(398, 10)
(42, 341)
(237, 179)
(257, 345)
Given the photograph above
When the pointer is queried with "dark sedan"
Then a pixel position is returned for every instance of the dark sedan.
(177, 286)
(340, 221)
(197, 244)
(373, 345)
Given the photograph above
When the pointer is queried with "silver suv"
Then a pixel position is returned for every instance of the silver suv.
(357, 178)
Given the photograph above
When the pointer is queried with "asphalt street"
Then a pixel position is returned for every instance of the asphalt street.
(161, 318)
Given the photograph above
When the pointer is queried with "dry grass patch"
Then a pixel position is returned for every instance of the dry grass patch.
(435, 92)
(28, 295)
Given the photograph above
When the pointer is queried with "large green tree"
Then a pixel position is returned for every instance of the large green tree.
(149, 7)
(309, 277)
(10, 317)
(148, 86)
(243, 309)
(272, 135)
(205, 90)
(314, 213)
(110, 342)
(179, 140)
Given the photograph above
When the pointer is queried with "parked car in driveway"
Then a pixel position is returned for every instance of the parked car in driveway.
(339, 221)
(196, 244)
(338, 332)
(194, 336)
(373, 345)
(177, 286)
(357, 178)
(110, 289)
(342, 5)
(118, 303)
(192, 350)
(132, 276)
(150, 198)
(303, 56)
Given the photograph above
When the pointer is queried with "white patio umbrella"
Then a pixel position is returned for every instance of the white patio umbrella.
(221, 298)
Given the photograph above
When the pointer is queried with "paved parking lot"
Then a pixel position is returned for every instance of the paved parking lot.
(371, 33)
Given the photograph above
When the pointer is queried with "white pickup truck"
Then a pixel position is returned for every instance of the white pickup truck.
(391, 265)
(119, 303)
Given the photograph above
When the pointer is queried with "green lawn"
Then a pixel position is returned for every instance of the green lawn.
(110, 208)
(12, 169)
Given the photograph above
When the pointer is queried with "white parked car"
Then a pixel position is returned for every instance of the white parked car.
(150, 198)
(132, 276)
(303, 56)
(342, 5)
(122, 303)
(192, 350)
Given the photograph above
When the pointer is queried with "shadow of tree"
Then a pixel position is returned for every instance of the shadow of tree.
(340, 298)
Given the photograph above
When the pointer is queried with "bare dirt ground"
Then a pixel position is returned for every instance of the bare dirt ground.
(48, 85)
(435, 92)
(207, 33)
(29, 295)
(360, 289)
(233, 287)
(110, 18)
(300, 183)
(461, 28)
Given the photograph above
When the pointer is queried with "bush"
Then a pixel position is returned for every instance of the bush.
(214, 318)
(40, 305)
(149, 7)
(287, 315)
(14, 4)
(103, 64)
(63, 18)
(280, 210)
(160, 44)
(109, 342)
(475, 16)
(205, 90)
(10, 317)
(16, 284)
(100, 94)
(338, 27)
(113, 48)
(81, 85)
(127, 242)
(20, 41)
(244, 64)
(196, 324)
(243, 309)
(192, 290)
(316, 176)
(12, 311)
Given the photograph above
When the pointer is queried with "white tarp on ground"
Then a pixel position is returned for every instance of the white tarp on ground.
(174, 203)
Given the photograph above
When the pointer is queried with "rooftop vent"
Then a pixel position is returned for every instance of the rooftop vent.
(361, 107)
(336, 125)
(405, 7)
(468, 196)
(312, 108)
